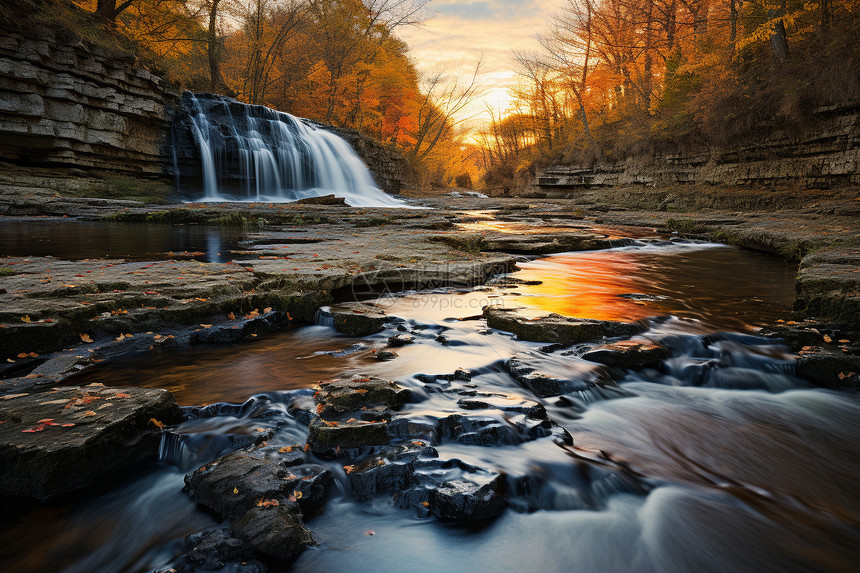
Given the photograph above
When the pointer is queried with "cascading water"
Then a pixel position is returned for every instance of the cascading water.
(254, 153)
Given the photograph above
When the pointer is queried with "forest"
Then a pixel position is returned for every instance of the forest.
(612, 77)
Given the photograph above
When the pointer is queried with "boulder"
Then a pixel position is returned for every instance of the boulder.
(57, 441)
(275, 531)
(236, 482)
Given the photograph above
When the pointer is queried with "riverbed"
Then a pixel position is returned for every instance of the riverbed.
(716, 458)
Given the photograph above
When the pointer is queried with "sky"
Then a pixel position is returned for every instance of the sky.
(458, 32)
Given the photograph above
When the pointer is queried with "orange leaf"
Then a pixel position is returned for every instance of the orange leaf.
(348, 469)
(85, 337)
(157, 423)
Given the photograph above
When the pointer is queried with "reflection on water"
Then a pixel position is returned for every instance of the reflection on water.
(203, 375)
(722, 286)
(74, 240)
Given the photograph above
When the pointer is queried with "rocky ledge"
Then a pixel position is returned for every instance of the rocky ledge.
(57, 441)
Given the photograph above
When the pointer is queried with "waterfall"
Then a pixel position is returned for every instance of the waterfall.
(255, 153)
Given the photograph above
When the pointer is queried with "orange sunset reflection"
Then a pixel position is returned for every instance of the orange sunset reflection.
(587, 285)
(720, 286)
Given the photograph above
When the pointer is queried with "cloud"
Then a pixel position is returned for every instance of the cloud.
(461, 32)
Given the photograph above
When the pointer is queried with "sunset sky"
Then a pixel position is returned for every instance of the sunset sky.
(458, 31)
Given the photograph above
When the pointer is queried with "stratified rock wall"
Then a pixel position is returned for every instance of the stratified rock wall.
(823, 156)
(67, 103)
(390, 169)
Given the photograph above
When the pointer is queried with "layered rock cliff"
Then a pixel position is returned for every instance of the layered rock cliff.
(67, 104)
(824, 155)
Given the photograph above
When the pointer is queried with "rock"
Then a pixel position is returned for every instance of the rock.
(341, 399)
(53, 443)
(385, 355)
(276, 531)
(830, 369)
(399, 340)
(626, 354)
(356, 319)
(458, 491)
(242, 328)
(234, 483)
(446, 489)
(214, 549)
(547, 377)
(327, 438)
(389, 472)
(323, 200)
(555, 328)
(458, 374)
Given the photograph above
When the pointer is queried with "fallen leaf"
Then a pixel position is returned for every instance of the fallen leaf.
(827, 338)
(231, 316)
(122, 395)
(267, 310)
(66, 425)
(370, 532)
(268, 503)
(348, 469)
(85, 337)
(89, 413)
(206, 325)
(236, 490)
(425, 503)
(156, 423)
(286, 449)
(844, 375)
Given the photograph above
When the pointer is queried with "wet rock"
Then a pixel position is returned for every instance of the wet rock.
(53, 443)
(386, 355)
(389, 472)
(830, 369)
(545, 377)
(233, 484)
(213, 550)
(225, 334)
(331, 439)
(399, 340)
(626, 354)
(342, 399)
(356, 319)
(555, 328)
(324, 200)
(502, 403)
(275, 531)
(417, 480)
(458, 491)
(458, 374)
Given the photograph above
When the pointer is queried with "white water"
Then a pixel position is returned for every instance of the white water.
(273, 156)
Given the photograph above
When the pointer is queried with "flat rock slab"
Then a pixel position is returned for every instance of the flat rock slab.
(554, 328)
(56, 441)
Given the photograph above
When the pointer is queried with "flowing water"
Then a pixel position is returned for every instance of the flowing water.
(255, 153)
(717, 460)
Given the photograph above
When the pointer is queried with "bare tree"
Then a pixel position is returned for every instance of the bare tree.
(444, 98)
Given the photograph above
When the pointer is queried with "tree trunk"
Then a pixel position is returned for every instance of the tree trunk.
(106, 9)
(215, 79)
(733, 20)
(778, 41)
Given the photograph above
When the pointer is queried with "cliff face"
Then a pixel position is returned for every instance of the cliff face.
(390, 169)
(68, 104)
(824, 156)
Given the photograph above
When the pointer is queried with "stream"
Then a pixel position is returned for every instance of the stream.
(717, 460)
